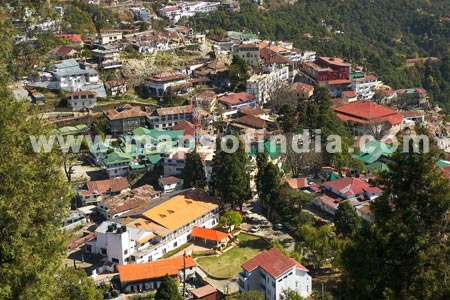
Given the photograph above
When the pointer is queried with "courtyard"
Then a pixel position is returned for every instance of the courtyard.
(229, 263)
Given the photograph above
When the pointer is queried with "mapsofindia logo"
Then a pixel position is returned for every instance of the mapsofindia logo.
(307, 141)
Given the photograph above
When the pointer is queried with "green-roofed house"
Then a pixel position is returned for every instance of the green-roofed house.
(374, 155)
(273, 151)
(117, 164)
(442, 163)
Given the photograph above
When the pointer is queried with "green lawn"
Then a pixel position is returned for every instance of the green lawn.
(229, 263)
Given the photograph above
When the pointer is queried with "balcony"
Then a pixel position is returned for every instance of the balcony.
(111, 65)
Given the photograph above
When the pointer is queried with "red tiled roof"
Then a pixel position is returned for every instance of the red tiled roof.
(207, 95)
(167, 76)
(188, 127)
(113, 185)
(349, 94)
(185, 109)
(74, 38)
(252, 121)
(367, 112)
(170, 179)
(296, 183)
(63, 50)
(301, 87)
(273, 262)
(154, 269)
(204, 291)
(237, 98)
(335, 61)
(124, 113)
(351, 186)
(339, 81)
(81, 93)
(252, 111)
(208, 234)
(244, 46)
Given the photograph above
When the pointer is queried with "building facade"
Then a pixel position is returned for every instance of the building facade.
(158, 84)
(168, 117)
(271, 272)
(81, 100)
(263, 86)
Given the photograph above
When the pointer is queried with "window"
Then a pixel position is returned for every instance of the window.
(104, 251)
(125, 252)
(175, 244)
(115, 260)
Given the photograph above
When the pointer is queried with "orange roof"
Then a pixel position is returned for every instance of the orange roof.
(208, 234)
(296, 183)
(204, 291)
(109, 185)
(154, 269)
(367, 112)
(179, 211)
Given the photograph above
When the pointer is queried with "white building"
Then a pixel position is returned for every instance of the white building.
(108, 57)
(158, 84)
(271, 272)
(249, 53)
(364, 87)
(188, 9)
(107, 36)
(68, 75)
(141, 13)
(167, 117)
(262, 86)
(146, 235)
(81, 100)
(170, 184)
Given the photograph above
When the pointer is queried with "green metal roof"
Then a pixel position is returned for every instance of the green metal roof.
(442, 163)
(377, 166)
(273, 151)
(154, 159)
(117, 157)
(374, 150)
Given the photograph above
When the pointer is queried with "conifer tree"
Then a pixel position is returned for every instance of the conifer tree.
(168, 290)
(230, 176)
(405, 253)
(194, 173)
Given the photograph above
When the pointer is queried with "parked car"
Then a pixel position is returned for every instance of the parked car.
(278, 226)
(255, 228)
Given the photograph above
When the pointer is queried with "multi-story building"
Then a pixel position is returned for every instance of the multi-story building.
(125, 118)
(249, 53)
(188, 9)
(237, 100)
(108, 57)
(116, 163)
(327, 68)
(263, 86)
(107, 36)
(158, 84)
(366, 117)
(68, 76)
(271, 272)
(141, 13)
(170, 116)
(97, 190)
(364, 86)
(144, 235)
(81, 100)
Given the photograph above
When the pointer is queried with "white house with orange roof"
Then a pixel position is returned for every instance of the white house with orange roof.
(158, 84)
(271, 272)
(149, 231)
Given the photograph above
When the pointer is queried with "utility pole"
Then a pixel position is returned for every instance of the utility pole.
(184, 274)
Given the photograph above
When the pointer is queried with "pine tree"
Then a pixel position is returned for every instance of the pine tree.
(194, 173)
(230, 178)
(346, 220)
(405, 254)
(168, 290)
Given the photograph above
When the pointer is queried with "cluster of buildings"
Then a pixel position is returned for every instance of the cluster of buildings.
(188, 9)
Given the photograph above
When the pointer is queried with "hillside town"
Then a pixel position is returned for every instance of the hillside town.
(155, 193)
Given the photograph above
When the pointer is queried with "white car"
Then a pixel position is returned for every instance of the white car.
(255, 228)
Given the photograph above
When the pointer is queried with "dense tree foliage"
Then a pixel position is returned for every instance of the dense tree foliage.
(378, 35)
(168, 290)
(290, 294)
(238, 73)
(346, 220)
(230, 176)
(319, 243)
(405, 254)
(194, 173)
(75, 285)
(230, 218)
